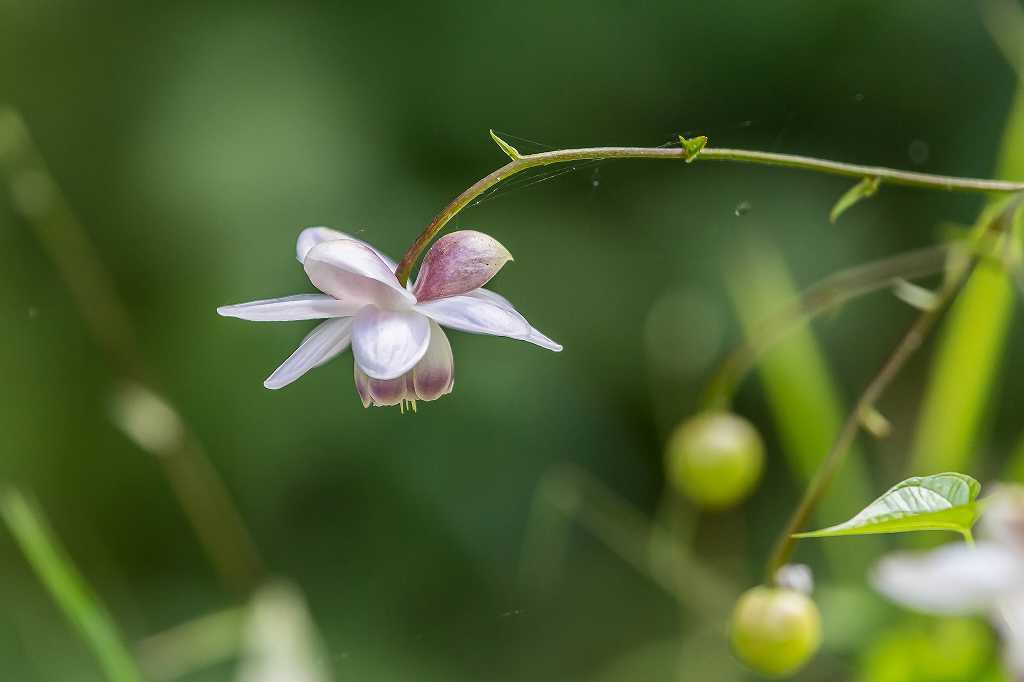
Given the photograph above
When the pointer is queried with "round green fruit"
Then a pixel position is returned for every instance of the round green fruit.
(774, 630)
(715, 458)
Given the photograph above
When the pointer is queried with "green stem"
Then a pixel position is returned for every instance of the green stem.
(910, 342)
(968, 537)
(1002, 225)
(193, 478)
(67, 586)
(822, 296)
(520, 163)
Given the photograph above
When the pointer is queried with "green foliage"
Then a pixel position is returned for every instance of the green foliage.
(964, 371)
(692, 147)
(966, 363)
(931, 650)
(512, 152)
(67, 587)
(940, 502)
(801, 393)
(862, 190)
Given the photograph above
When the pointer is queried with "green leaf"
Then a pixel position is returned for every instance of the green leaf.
(512, 152)
(693, 146)
(940, 502)
(862, 190)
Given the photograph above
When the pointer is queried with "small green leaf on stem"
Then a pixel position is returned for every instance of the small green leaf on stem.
(693, 147)
(941, 502)
(512, 152)
(862, 190)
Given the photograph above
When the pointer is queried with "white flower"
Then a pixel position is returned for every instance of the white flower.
(958, 579)
(400, 351)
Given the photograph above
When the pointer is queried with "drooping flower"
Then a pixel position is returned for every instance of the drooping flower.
(400, 351)
(960, 579)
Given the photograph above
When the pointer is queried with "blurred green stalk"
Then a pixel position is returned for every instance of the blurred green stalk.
(803, 398)
(962, 376)
(67, 587)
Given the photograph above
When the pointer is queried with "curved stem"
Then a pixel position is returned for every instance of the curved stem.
(910, 342)
(520, 163)
(1002, 224)
(820, 297)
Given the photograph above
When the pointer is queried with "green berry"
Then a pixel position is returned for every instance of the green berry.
(775, 630)
(715, 458)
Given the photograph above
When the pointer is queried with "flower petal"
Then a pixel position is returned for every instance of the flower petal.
(476, 316)
(323, 343)
(311, 236)
(484, 312)
(350, 271)
(535, 336)
(298, 307)
(434, 374)
(954, 579)
(362, 385)
(458, 263)
(383, 392)
(388, 343)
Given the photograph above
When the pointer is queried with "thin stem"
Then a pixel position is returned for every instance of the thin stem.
(910, 342)
(65, 584)
(194, 480)
(968, 537)
(1002, 225)
(571, 494)
(820, 297)
(520, 163)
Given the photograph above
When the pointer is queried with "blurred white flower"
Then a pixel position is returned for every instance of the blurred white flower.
(400, 350)
(958, 579)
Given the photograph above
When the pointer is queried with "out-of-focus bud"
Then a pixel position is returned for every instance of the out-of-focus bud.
(715, 458)
(775, 630)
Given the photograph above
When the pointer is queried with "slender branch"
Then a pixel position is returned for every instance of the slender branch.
(569, 494)
(1001, 225)
(910, 342)
(520, 163)
(822, 296)
(193, 478)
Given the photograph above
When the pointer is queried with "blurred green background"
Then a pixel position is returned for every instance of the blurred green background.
(193, 140)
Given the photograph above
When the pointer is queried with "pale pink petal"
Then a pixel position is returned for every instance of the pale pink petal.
(535, 336)
(388, 392)
(475, 315)
(298, 307)
(311, 236)
(350, 271)
(484, 312)
(362, 385)
(322, 344)
(383, 392)
(388, 343)
(954, 579)
(458, 263)
(539, 339)
(434, 375)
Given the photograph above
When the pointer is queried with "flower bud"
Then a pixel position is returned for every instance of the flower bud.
(715, 458)
(774, 630)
